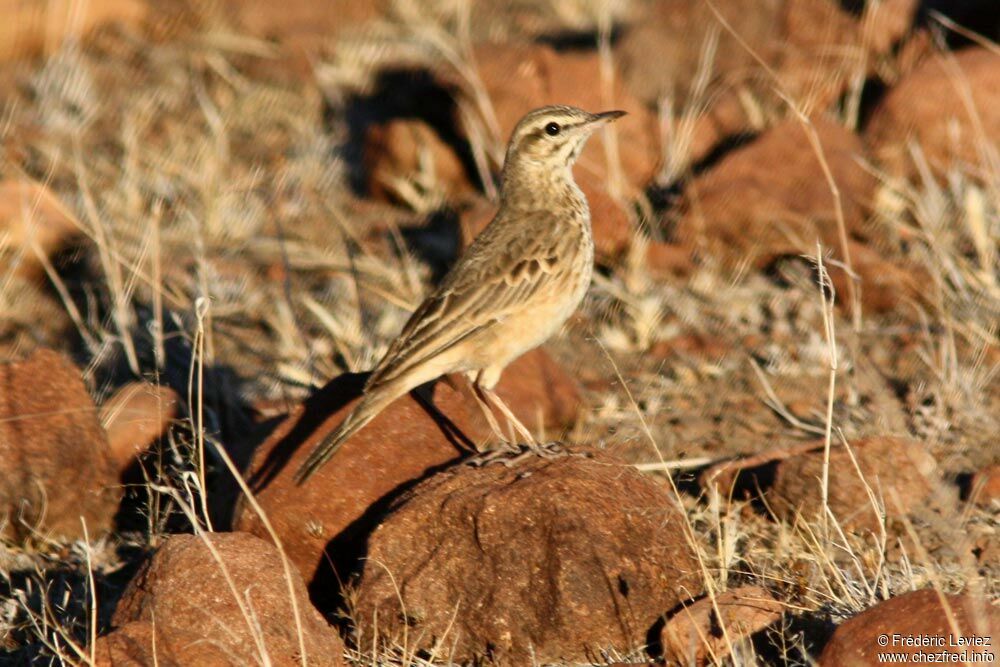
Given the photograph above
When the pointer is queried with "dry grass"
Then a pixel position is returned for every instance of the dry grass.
(223, 254)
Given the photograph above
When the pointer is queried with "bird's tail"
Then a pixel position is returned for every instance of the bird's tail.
(366, 410)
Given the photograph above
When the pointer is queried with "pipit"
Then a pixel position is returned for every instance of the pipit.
(512, 289)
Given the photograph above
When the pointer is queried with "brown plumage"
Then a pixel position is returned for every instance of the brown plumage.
(512, 289)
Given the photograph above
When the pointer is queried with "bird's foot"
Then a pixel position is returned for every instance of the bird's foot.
(514, 454)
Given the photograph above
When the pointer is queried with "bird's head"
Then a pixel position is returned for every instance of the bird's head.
(549, 139)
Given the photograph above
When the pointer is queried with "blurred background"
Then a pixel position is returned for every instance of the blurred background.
(208, 210)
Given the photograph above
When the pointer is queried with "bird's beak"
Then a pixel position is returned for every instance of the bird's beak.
(607, 117)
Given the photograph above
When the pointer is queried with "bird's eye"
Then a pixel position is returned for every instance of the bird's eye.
(552, 129)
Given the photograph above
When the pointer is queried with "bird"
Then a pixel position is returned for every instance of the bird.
(514, 287)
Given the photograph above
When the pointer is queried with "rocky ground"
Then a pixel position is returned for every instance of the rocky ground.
(779, 401)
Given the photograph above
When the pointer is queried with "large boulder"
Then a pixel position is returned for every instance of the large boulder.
(771, 197)
(217, 599)
(56, 469)
(135, 417)
(962, 131)
(537, 560)
(704, 632)
(903, 625)
(900, 473)
(323, 521)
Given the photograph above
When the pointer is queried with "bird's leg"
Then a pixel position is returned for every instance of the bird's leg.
(511, 419)
(484, 405)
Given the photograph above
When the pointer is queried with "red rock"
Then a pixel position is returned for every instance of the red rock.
(885, 285)
(693, 635)
(810, 47)
(820, 53)
(548, 558)
(888, 464)
(30, 215)
(886, 23)
(771, 197)
(955, 132)
(135, 417)
(859, 640)
(661, 53)
(34, 27)
(723, 476)
(665, 260)
(398, 447)
(224, 605)
(399, 148)
(55, 462)
(133, 646)
(985, 487)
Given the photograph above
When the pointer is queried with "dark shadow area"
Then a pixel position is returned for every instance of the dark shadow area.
(654, 637)
(815, 630)
(721, 149)
(331, 398)
(853, 7)
(789, 270)
(400, 94)
(345, 553)
(665, 198)
(963, 481)
(437, 242)
(579, 40)
(978, 16)
(315, 410)
(344, 556)
(751, 484)
(872, 92)
(63, 595)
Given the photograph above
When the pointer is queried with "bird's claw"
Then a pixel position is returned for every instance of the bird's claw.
(517, 453)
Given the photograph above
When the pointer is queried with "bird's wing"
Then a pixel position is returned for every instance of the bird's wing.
(505, 266)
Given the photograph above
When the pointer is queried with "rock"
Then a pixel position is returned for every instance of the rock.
(948, 134)
(667, 260)
(401, 149)
(661, 54)
(771, 197)
(31, 216)
(135, 417)
(886, 23)
(919, 614)
(55, 462)
(133, 646)
(608, 220)
(227, 604)
(693, 636)
(724, 476)
(343, 501)
(819, 53)
(888, 464)
(35, 27)
(552, 558)
(810, 46)
(521, 78)
(885, 285)
(985, 486)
